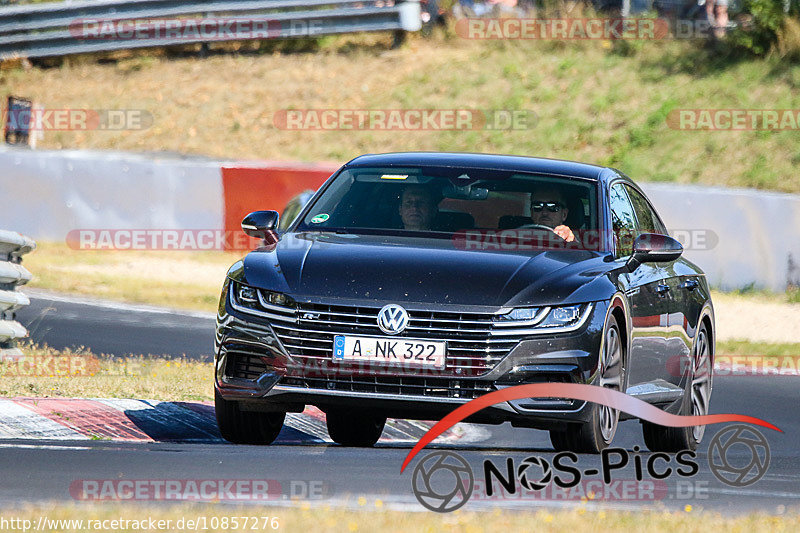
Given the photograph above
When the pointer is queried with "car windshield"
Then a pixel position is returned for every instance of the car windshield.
(442, 201)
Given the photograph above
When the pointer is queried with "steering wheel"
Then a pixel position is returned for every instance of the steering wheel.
(536, 226)
(542, 227)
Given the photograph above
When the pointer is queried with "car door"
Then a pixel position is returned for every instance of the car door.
(644, 287)
(681, 282)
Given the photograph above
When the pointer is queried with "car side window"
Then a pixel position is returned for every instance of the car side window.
(622, 219)
(648, 220)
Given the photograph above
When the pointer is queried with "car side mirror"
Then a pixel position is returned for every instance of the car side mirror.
(654, 248)
(262, 225)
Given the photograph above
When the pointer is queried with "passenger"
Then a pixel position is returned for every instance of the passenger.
(717, 13)
(418, 208)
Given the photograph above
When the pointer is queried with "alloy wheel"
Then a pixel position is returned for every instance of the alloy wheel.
(611, 374)
(701, 381)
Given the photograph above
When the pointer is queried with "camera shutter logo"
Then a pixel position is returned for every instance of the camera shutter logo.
(392, 319)
(443, 481)
(525, 468)
(727, 444)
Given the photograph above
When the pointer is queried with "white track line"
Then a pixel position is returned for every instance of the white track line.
(42, 446)
(18, 422)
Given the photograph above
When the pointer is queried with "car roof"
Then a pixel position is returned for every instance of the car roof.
(489, 161)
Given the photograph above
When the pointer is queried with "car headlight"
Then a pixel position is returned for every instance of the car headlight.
(247, 296)
(544, 317)
(563, 316)
(259, 299)
(276, 298)
(523, 316)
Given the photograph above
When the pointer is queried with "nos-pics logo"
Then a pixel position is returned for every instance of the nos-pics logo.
(443, 481)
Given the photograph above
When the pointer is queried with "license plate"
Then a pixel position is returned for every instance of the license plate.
(401, 351)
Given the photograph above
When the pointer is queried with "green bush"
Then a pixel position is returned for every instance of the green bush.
(759, 26)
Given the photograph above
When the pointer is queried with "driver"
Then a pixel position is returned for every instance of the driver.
(548, 208)
(418, 208)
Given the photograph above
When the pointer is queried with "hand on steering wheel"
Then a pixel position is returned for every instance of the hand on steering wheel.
(562, 231)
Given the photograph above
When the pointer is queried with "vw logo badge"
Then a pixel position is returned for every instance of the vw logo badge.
(392, 319)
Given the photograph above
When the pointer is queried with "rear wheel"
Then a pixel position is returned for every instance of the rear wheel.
(596, 434)
(357, 429)
(696, 400)
(244, 427)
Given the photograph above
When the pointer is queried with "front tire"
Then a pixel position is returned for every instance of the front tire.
(244, 427)
(353, 428)
(596, 434)
(696, 399)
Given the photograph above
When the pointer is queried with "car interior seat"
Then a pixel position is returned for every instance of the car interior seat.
(452, 221)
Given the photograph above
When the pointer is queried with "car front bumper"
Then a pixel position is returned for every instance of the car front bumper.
(254, 368)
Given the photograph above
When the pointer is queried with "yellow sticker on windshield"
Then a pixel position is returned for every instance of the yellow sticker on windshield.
(394, 176)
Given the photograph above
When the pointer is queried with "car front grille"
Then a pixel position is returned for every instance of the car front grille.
(402, 386)
(475, 341)
(242, 363)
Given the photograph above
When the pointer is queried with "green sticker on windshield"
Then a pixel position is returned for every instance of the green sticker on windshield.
(319, 219)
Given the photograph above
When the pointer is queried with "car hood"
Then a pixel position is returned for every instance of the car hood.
(327, 266)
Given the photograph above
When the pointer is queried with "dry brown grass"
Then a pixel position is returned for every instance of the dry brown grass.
(758, 318)
(595, 101)
(788, 46)
(373, 517)
(178, 279)
(47, 373)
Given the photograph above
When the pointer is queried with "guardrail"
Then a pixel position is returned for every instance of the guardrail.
(64, 28)
(12, 274)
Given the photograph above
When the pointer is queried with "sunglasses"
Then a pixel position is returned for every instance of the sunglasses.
(553, 207)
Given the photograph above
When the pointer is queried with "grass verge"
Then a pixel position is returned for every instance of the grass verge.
(750, 348)
(177, 279)
(47, 373)
(375, 518)
(596, 101)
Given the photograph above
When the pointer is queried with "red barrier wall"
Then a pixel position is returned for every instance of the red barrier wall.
(266, 186)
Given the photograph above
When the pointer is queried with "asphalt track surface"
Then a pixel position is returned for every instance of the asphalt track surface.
(36, 469)
(116, 329)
